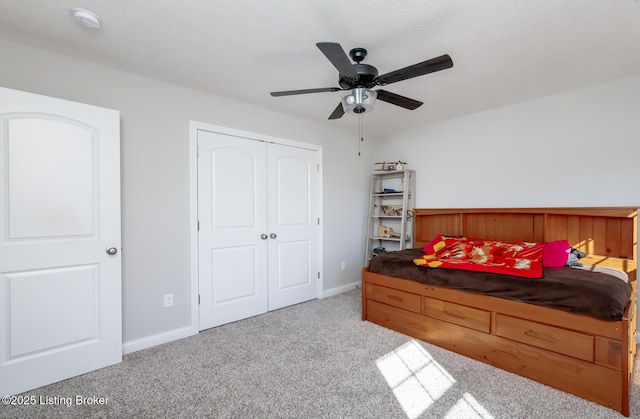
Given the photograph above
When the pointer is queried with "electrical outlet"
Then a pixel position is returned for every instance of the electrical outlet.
(343, 266)
(168, 300)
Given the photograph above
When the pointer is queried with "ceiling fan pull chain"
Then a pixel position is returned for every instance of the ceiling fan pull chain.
(360, 132)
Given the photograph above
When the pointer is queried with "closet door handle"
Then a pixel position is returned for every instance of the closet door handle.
(263, 236)
(272, 235)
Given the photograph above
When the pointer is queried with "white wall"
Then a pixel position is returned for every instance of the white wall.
(155, 176)
(579, 148)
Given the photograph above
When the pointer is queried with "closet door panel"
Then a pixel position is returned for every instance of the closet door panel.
(232, 214)
(293, 225)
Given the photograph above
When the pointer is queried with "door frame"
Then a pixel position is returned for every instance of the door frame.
(194, 127)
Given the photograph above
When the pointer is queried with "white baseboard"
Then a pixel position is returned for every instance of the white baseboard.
(341, 289)
(154, 340)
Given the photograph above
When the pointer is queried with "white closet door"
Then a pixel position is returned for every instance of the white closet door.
(258, 234)
(60, 287)
(232, 213)
(293, 225)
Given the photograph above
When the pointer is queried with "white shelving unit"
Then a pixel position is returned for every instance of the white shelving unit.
(391, 203)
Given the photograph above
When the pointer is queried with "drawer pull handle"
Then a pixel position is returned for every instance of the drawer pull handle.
(503, 353)
(394, 298)
(455, 314)
(541, 336)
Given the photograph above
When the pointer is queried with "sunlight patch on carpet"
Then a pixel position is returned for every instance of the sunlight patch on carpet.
(417, 381)
(468, 407)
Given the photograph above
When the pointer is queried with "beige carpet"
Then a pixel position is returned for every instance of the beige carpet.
(312, 360)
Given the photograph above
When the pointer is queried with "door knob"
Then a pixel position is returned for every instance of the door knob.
(263, 236)
(272, 235)
(112, 251)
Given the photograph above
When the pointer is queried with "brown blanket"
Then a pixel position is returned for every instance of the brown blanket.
(589, 292)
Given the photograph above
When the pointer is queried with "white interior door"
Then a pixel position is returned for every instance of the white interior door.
(60, 288)
(293, 225)
(232, 214)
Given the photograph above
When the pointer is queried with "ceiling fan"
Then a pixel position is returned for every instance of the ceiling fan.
(360, 78)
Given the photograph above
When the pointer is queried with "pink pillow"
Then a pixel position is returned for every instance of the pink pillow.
(429, 247)
(556, 254)
(438, 243)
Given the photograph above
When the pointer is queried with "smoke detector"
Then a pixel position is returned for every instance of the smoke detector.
(86, 18)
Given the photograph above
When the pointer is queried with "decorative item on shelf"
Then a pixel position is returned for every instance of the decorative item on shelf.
(389, 166)
(392, 209)
(384, 231)
(387, 232)
(377, 250)
(387, 190)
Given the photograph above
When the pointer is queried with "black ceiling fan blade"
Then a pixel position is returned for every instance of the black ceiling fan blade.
(430, 66)
(337, 112)
(334, 53)
(304, 91)
(398, 100)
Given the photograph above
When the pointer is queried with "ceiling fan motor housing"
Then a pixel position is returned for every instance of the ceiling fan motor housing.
(366, 77)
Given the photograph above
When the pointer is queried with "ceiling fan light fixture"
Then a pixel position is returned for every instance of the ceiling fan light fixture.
(86, 18)
(359, 100)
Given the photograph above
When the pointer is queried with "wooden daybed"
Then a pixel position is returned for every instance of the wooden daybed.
(576, 353)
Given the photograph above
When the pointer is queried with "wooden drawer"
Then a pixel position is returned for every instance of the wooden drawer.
(457, 314)
(562, 341)
(393, 297)
(608, 352)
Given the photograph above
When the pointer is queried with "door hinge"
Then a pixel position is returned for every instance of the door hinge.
(318, 274)
(318, 220)
(198, 299)
(198, 225)
(197, 151)
(318, 167)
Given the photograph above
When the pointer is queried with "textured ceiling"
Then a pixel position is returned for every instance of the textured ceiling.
(503, 51)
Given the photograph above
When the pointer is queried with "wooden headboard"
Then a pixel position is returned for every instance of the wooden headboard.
(608, 235)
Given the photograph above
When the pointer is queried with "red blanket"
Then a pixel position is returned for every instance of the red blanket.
(509, 258)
